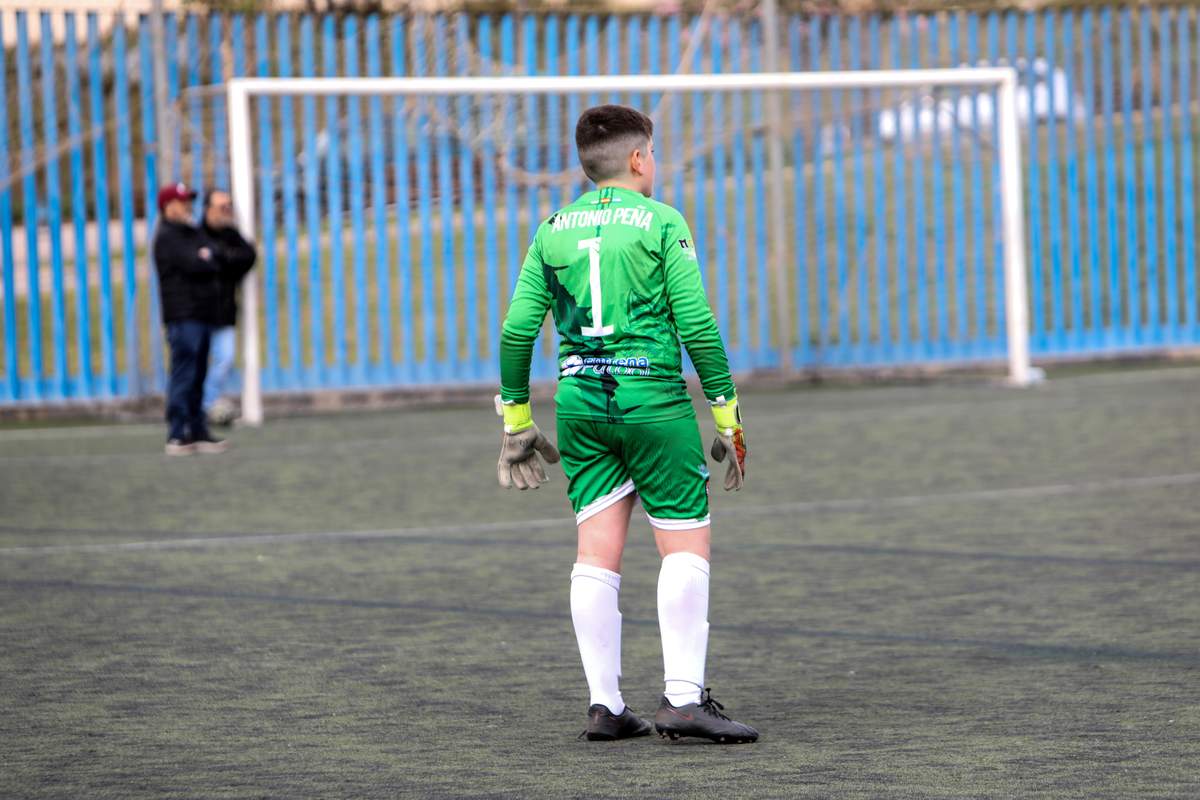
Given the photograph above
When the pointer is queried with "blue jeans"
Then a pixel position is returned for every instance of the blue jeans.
(220, 365)
(189, 343)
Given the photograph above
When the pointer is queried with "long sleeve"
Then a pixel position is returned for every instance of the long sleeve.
(237, 255)
(183, 255)
(530, 301)
(689, 307)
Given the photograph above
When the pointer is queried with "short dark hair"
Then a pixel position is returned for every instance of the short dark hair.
(606, 135)
(208, 195)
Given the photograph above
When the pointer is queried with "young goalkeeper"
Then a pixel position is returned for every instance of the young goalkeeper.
(620, 274)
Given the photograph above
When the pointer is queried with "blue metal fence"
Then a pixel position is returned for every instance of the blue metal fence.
(391, 241)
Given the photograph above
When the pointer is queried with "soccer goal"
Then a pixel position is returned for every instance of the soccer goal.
(874, 220)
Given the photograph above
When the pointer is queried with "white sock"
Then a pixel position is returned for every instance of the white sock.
(683, 623)
(598, 630)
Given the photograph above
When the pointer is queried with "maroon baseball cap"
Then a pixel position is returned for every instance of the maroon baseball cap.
(174, 191)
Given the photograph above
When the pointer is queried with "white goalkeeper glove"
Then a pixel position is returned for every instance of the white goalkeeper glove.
(730, 441)
(519, 464)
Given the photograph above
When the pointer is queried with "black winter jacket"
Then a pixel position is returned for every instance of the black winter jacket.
(189, 273)
(236, 257)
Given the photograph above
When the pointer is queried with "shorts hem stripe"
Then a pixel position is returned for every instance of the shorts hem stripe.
(678, 524)
(599, 504)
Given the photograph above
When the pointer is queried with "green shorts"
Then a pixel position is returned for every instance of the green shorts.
(662, 462)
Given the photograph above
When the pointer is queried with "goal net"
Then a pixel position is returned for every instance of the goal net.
(841, 219)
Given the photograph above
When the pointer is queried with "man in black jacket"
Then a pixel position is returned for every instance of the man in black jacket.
(189, 280)
(236, 257)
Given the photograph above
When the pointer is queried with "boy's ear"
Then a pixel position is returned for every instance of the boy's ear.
(637, 160)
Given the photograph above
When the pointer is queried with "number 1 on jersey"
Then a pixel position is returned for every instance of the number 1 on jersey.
(593, 248)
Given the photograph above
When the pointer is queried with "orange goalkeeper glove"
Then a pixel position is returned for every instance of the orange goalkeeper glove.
(730, 441)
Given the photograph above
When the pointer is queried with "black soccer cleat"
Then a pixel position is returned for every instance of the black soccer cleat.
(605, 726)
(703, 720)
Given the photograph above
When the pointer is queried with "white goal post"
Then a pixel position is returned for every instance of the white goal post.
(240, 91)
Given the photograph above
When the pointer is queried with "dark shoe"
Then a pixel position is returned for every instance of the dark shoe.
(180, 447)
(604, 726)
(210, 444)
(703, 719)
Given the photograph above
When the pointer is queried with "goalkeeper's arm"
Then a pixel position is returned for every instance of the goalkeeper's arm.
(519, 465)
(699, 333)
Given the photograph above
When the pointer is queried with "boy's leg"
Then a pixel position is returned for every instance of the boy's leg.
(683, 611)
(666, 461)
(603, 497)
(595, 586)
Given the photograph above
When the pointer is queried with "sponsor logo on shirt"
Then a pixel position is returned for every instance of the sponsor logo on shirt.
(603, 365)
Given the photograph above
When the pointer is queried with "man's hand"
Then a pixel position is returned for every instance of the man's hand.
(730, 441)
(519, 464)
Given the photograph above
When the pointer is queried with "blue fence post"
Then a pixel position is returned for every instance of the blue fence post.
(612, 43)
(99, 125)
(220, 146)
(379, 368)
(574, 109)
(488, 176)
(1165, 329)
(675, 102)
(839, 195)
(291, 229)
(818, 200)
(512, 230)
(474, 367)
(334, 204)
(1053, 182)
(125, 182)
(402, 172)
(958, 201)
(1091, 176)
(172, 168)
(718, 265)
(29, 196)
(445, 166)
(83, 326)
(763, 353)
(699, 233)
(1111, 208)
(861, 268)
(358, 232)
(998, 344)
(799, 152)
(939, 341)
(1187, 181)
(740, 228)
(883, 337)
(12, 366)
(54, 207)
(1077, 329)
(316, 373)
(151, 143)
(919, 189)
(900, 196)
(266, 207)
(195, 108)
(425, 214)
(1152, 321)
(1132, 263)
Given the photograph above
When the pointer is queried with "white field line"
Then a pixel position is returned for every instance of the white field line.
(781, 509)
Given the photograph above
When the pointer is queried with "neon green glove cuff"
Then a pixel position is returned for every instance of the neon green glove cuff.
(726, 414)
(517, 417)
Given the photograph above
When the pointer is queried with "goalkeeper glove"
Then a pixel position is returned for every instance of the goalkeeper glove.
(730, 441)
(519, 464)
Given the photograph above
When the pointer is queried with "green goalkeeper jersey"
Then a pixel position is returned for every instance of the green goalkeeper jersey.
(620, 273)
